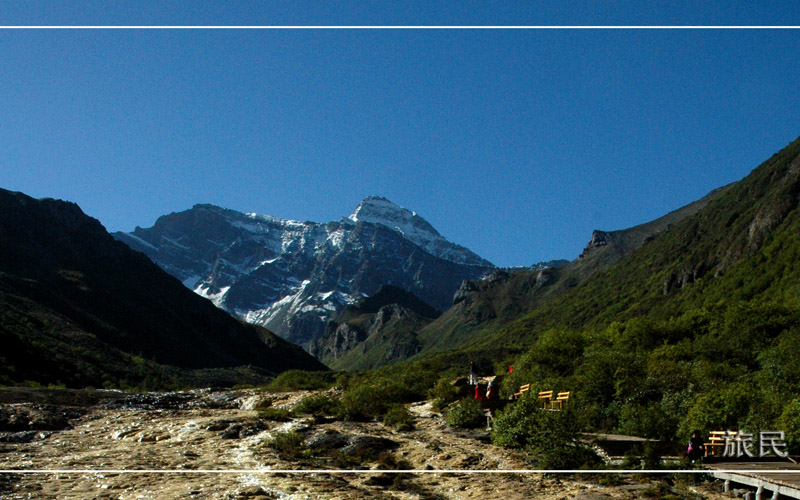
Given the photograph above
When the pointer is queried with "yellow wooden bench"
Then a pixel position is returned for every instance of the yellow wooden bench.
(546, 397)
(561, 399)
(522, 390)
(716, 443)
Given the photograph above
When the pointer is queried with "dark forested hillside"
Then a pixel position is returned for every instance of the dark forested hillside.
(81, 308)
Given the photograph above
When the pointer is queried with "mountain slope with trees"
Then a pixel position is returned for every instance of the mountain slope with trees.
(482, 307)
(697, 328)
(740, 247)
(80, 308)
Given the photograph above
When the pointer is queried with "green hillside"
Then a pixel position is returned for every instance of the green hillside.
(743, 246)
(491, 304)
(699, 327)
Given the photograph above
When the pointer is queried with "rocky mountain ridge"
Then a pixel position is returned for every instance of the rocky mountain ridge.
(293, 277)
(379, 210)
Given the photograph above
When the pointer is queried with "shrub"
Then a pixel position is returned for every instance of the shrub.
(318, 405)
(371, 396)
(781, 363)
(649, 421)
(300, 380)
(551, 436)
(363, 402)
(789, 422)
(466, 414)
(399, 417)
(287, 444)
(726, 408)
(272, 413)
(443, 393)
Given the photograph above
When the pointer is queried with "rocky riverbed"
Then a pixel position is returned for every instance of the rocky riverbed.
(213, 444)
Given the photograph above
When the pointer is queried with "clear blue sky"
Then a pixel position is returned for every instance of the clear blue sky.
(516, 144)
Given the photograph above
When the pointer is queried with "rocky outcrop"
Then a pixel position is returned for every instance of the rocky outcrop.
(23, 423)
(678, 281)
(357, 446)
(599, 239)
(545, 277)
(381, 328)
(340, 339)
(467, 288)
(337, 340)
(470, 287)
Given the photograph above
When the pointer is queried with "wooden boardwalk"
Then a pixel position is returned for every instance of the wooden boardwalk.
(618, 445)
(774, 480)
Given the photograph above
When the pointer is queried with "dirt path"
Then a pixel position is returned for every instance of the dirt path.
(192, 436)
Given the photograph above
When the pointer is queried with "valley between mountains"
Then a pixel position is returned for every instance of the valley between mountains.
(368, 290)
(688, 322)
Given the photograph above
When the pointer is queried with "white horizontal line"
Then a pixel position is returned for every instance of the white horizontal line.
(371, 471)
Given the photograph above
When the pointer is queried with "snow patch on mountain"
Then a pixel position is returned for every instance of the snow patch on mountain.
(217, 298)
(336, 238)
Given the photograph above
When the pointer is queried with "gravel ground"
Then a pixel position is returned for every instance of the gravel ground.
(186, 435)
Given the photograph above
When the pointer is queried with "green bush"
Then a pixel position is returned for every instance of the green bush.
(370, 395)
(789, 422)
(288, 444)
(300, 380)
(364, 402)
(277, 414)
(726, 408)
(554, 355)
(443, 393)
(318, 405)
(399, 417)
(781, 363)
(648, 421)
(466, 414)
(551, 436)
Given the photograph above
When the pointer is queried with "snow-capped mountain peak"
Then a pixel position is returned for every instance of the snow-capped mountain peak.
(292, 277)
(379, 210)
